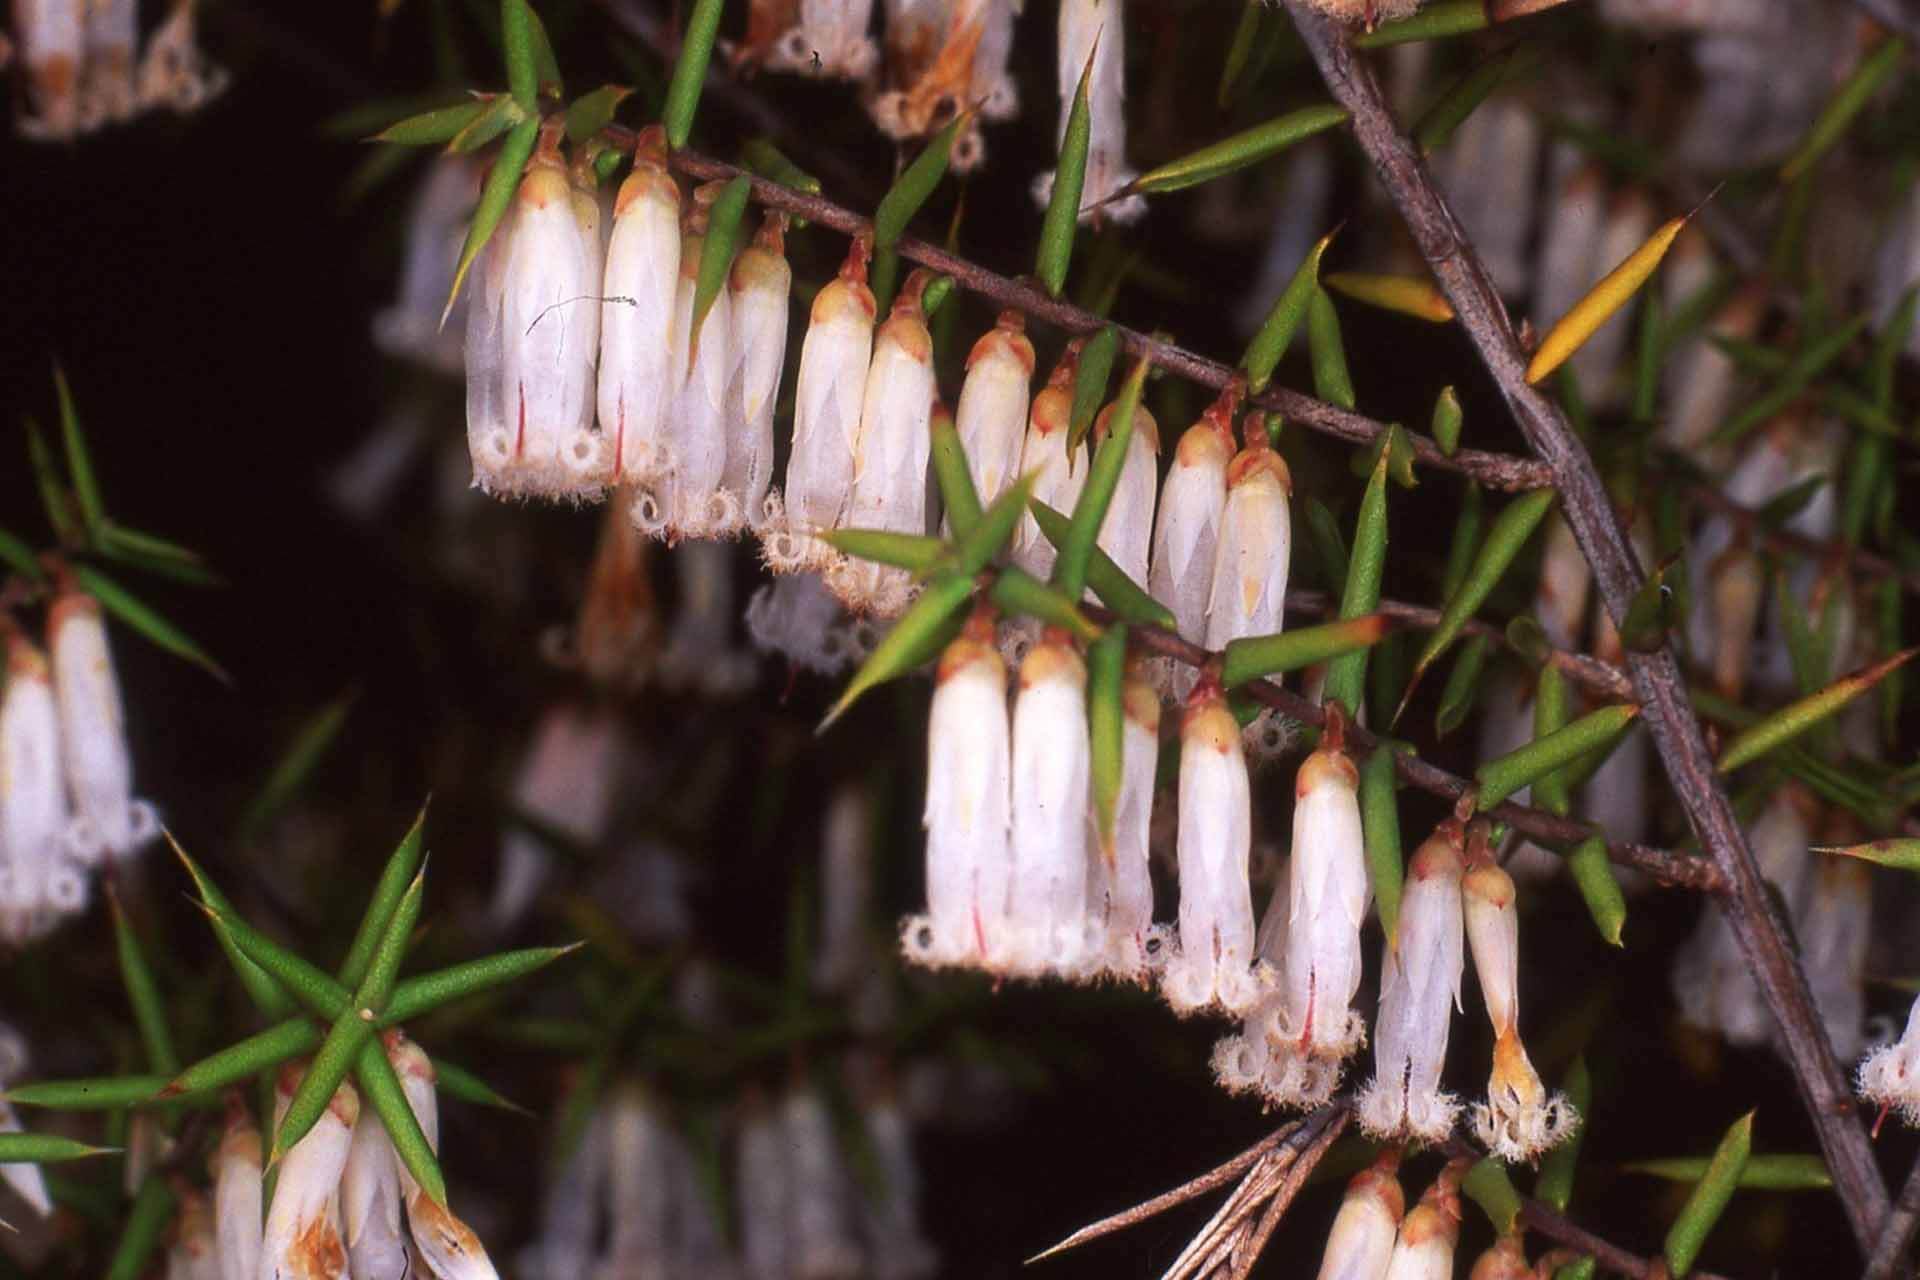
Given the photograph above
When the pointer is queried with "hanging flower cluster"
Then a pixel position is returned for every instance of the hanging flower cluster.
(84, 69)
(66, 776)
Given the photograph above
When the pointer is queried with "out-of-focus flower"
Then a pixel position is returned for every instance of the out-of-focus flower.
(1519, 1119)
(236, 1196)
(937, 71)
(700, 652)
(829, 391)
(1833, 926)
(890, 457)
(968, 811)
(93, 736)
(1361, 1242)
(1724, 570)
(1096, 29)
(828, 39)
(1249, 590)
(846, 890)
(174, 73)
(763, 1187)
(1490, 172)
(106, 85)
(51, 35)
(566, 788)
(820, 1236)
(992, 415)
(1213, 966)
(640, 283)
(897, 1249)
(797, 617)
(192, 1254)
(760, 283)
(39, 885)
(1419, 990)
(410, 328)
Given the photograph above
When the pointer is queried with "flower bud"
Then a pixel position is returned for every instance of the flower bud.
(1419, 990)
(1248, 596)
(823, 1246)
(1186, 530)
(760, 285)
(829, 391)
(1058, 475)
(1361, 1241)
(37, 886)
(1328, 898)
(1126, 534)
(302, 1235)
(50, 35)
(828, 39)
(991, 418)
(93, 736)
(1122, 899)
(174, 73)
(1047, 904)
(1520, 1119)
(1424, 1248)
(236, 1196)
(969, 866)
(1505, 1259)
(640, 284)
(890, 458)
(1213, 967)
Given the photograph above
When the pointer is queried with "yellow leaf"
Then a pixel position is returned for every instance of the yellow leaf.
(1613, 292)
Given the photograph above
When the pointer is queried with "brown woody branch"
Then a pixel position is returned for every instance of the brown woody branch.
(1676, 730)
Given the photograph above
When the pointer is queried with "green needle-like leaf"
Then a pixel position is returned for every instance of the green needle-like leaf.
(915, 551)
(1435, 129)
(458, 1082)
(1252, 657)
(1447, 419)
(1434, 22)
(1592, 873)
(433, 128)
(950, 472)
(86, 486)
(1501, 777)
(914, 186)
(496, 198)
(1284, 320)
(266, 994)
(1488, 1186)
(1901, 855)
(1106, 727)
(101, 1093)
(1366, 566)
(1018, 592)
(380, 1089)
(516, 34)
(1332, 381)
(1554, 1186)
(1847, 103)
(1062, 220)
(140, 1237)
(1462, 689)
(500, 115)
(397, 881)
(690, 71)
(143, 992)
(18, 556)
(1551, 713)
(1103, 477)
(45, 1148)
(1808, 365)
(1511, 529)
(303, 981)
(1090, 383)
(1709, 1198)
(257, 1053)
(53, 492)
(1380, 825)
(717, 249)
(122, 604)
(1239, 51)
(1797, 718)
(291, 772)
(1107, 580)
(1244, 149)
(1761, 1173)
(592, 112)
(984, 539)
(899, 651)
(417, 995)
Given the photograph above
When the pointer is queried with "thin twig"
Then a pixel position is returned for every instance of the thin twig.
(1897, 1235)
(1663, 694)
(1297, 1176)
(1666, 866)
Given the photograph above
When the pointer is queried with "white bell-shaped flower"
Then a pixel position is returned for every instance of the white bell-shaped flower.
(107, 90)
(797, 617)
(39, 884)
(890, 457)
(447, 1245)
(1248, 596)
(1490, 172)
(897, 1248)
(236, 1197)
(410, 328)
(93, 736)
(1520, 1119)
(1096, 30)
(1419, 991)
(1058, 473)
(640, 284)
(1360, 1244)
(565, 786)
(193, 1254)
(820, 1225)
(1430, 1232)
(1834, 927)
(991, 418)
(1213, 964)
(1703, 379)
(844, 949)
(371, 1215)
(1889, 1077)
(760, 285)
(302, 1235)
(1047, 920)
(51, 35)
(828, 39)
(1327, 900)
(829, 391)
(1126, 534)
(763, 1189)
(1186, 532)
(533, 341)
(1122, 886)
(640, 1193)
(968, 812)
